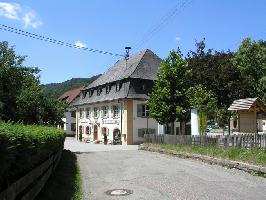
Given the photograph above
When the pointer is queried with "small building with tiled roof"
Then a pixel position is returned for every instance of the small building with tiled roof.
(70, 115)
(71, 95)
(115, 103)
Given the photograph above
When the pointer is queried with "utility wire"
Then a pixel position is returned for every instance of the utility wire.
(54, 41)
(164, 21)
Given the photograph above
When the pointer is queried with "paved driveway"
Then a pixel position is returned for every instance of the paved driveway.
(155, 176)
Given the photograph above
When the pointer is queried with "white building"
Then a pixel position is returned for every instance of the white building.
(70, 115)
(115, 103)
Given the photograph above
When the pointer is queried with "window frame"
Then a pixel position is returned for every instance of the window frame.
(73, 127)
(143, 110)
(73, 115)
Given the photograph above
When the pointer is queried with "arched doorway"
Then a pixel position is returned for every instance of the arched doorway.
(95, 132)
(117, 136)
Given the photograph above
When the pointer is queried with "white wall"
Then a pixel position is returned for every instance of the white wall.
(194, 122)
(110, 123)
(67, 123)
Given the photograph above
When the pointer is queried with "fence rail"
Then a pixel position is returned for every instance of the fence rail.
(241, 140)
(27, 187)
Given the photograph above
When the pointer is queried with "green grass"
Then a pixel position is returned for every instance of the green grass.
(65, 182)
(252, 156)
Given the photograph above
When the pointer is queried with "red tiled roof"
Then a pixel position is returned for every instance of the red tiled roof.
(69, 96)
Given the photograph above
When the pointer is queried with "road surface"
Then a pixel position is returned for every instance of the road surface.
(155, 176)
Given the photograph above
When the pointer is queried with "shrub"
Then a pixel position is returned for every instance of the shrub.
(22, 147)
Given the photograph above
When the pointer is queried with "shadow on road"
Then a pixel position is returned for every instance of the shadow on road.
(65, 182)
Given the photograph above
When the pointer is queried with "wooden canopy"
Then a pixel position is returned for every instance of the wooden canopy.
(248, 104)
(248, 110)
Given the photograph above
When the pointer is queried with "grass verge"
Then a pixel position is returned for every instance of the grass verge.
(65, 182)
(251, 156)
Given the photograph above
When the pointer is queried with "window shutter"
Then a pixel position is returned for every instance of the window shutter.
(139, 132)
(101, 113)
(98, 112)
(107, 112)
(139, 110)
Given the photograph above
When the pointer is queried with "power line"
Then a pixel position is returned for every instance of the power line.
(164, 20)
(54, 41)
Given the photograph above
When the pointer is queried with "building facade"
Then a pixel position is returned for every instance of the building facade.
(70, 114)
(114, 105)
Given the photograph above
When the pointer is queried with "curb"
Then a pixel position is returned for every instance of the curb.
(207, 159)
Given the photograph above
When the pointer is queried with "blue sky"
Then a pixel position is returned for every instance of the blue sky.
(111, 25)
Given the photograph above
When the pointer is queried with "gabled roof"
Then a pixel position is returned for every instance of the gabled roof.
(69, 96)
(248, 104)
(142, 65)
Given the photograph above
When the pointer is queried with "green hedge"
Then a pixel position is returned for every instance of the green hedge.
(22, 147)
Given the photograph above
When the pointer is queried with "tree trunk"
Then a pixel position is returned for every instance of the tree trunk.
(183, 127)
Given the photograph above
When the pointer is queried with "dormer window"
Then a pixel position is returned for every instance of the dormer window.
(143, 86)
(83, 94)
(99, 91)
(118, 86)
(108, 88)
(90, 93)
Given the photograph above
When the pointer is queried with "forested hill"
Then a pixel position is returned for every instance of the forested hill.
(55, 90)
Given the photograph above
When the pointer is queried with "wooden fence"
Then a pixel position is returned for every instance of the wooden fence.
(241, 140)
(28, 187)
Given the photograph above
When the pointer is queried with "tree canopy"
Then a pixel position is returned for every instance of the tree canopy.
(209, 81)
(21, 95)
(168, 101)
(250, 59)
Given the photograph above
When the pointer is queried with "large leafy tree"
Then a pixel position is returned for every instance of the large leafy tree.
(250, 58)
(216, 72)
(21, 95)
(168, 101)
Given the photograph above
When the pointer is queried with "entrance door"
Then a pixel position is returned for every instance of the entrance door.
(95, 132)
(117, 137)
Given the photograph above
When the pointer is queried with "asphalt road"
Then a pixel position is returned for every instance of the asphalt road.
(155, 176)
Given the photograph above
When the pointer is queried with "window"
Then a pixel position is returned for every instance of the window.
(105, 111)
(88, 112)
(95, 112)
(73, 126)
(143, 110)
(99, 91)
(143, 86)
(88, 130)
(108, 88)
(118, 86)
(83, 94)
(81, 112)
(73, 114)
(115, 111)
(143, 131)
(90, 92)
